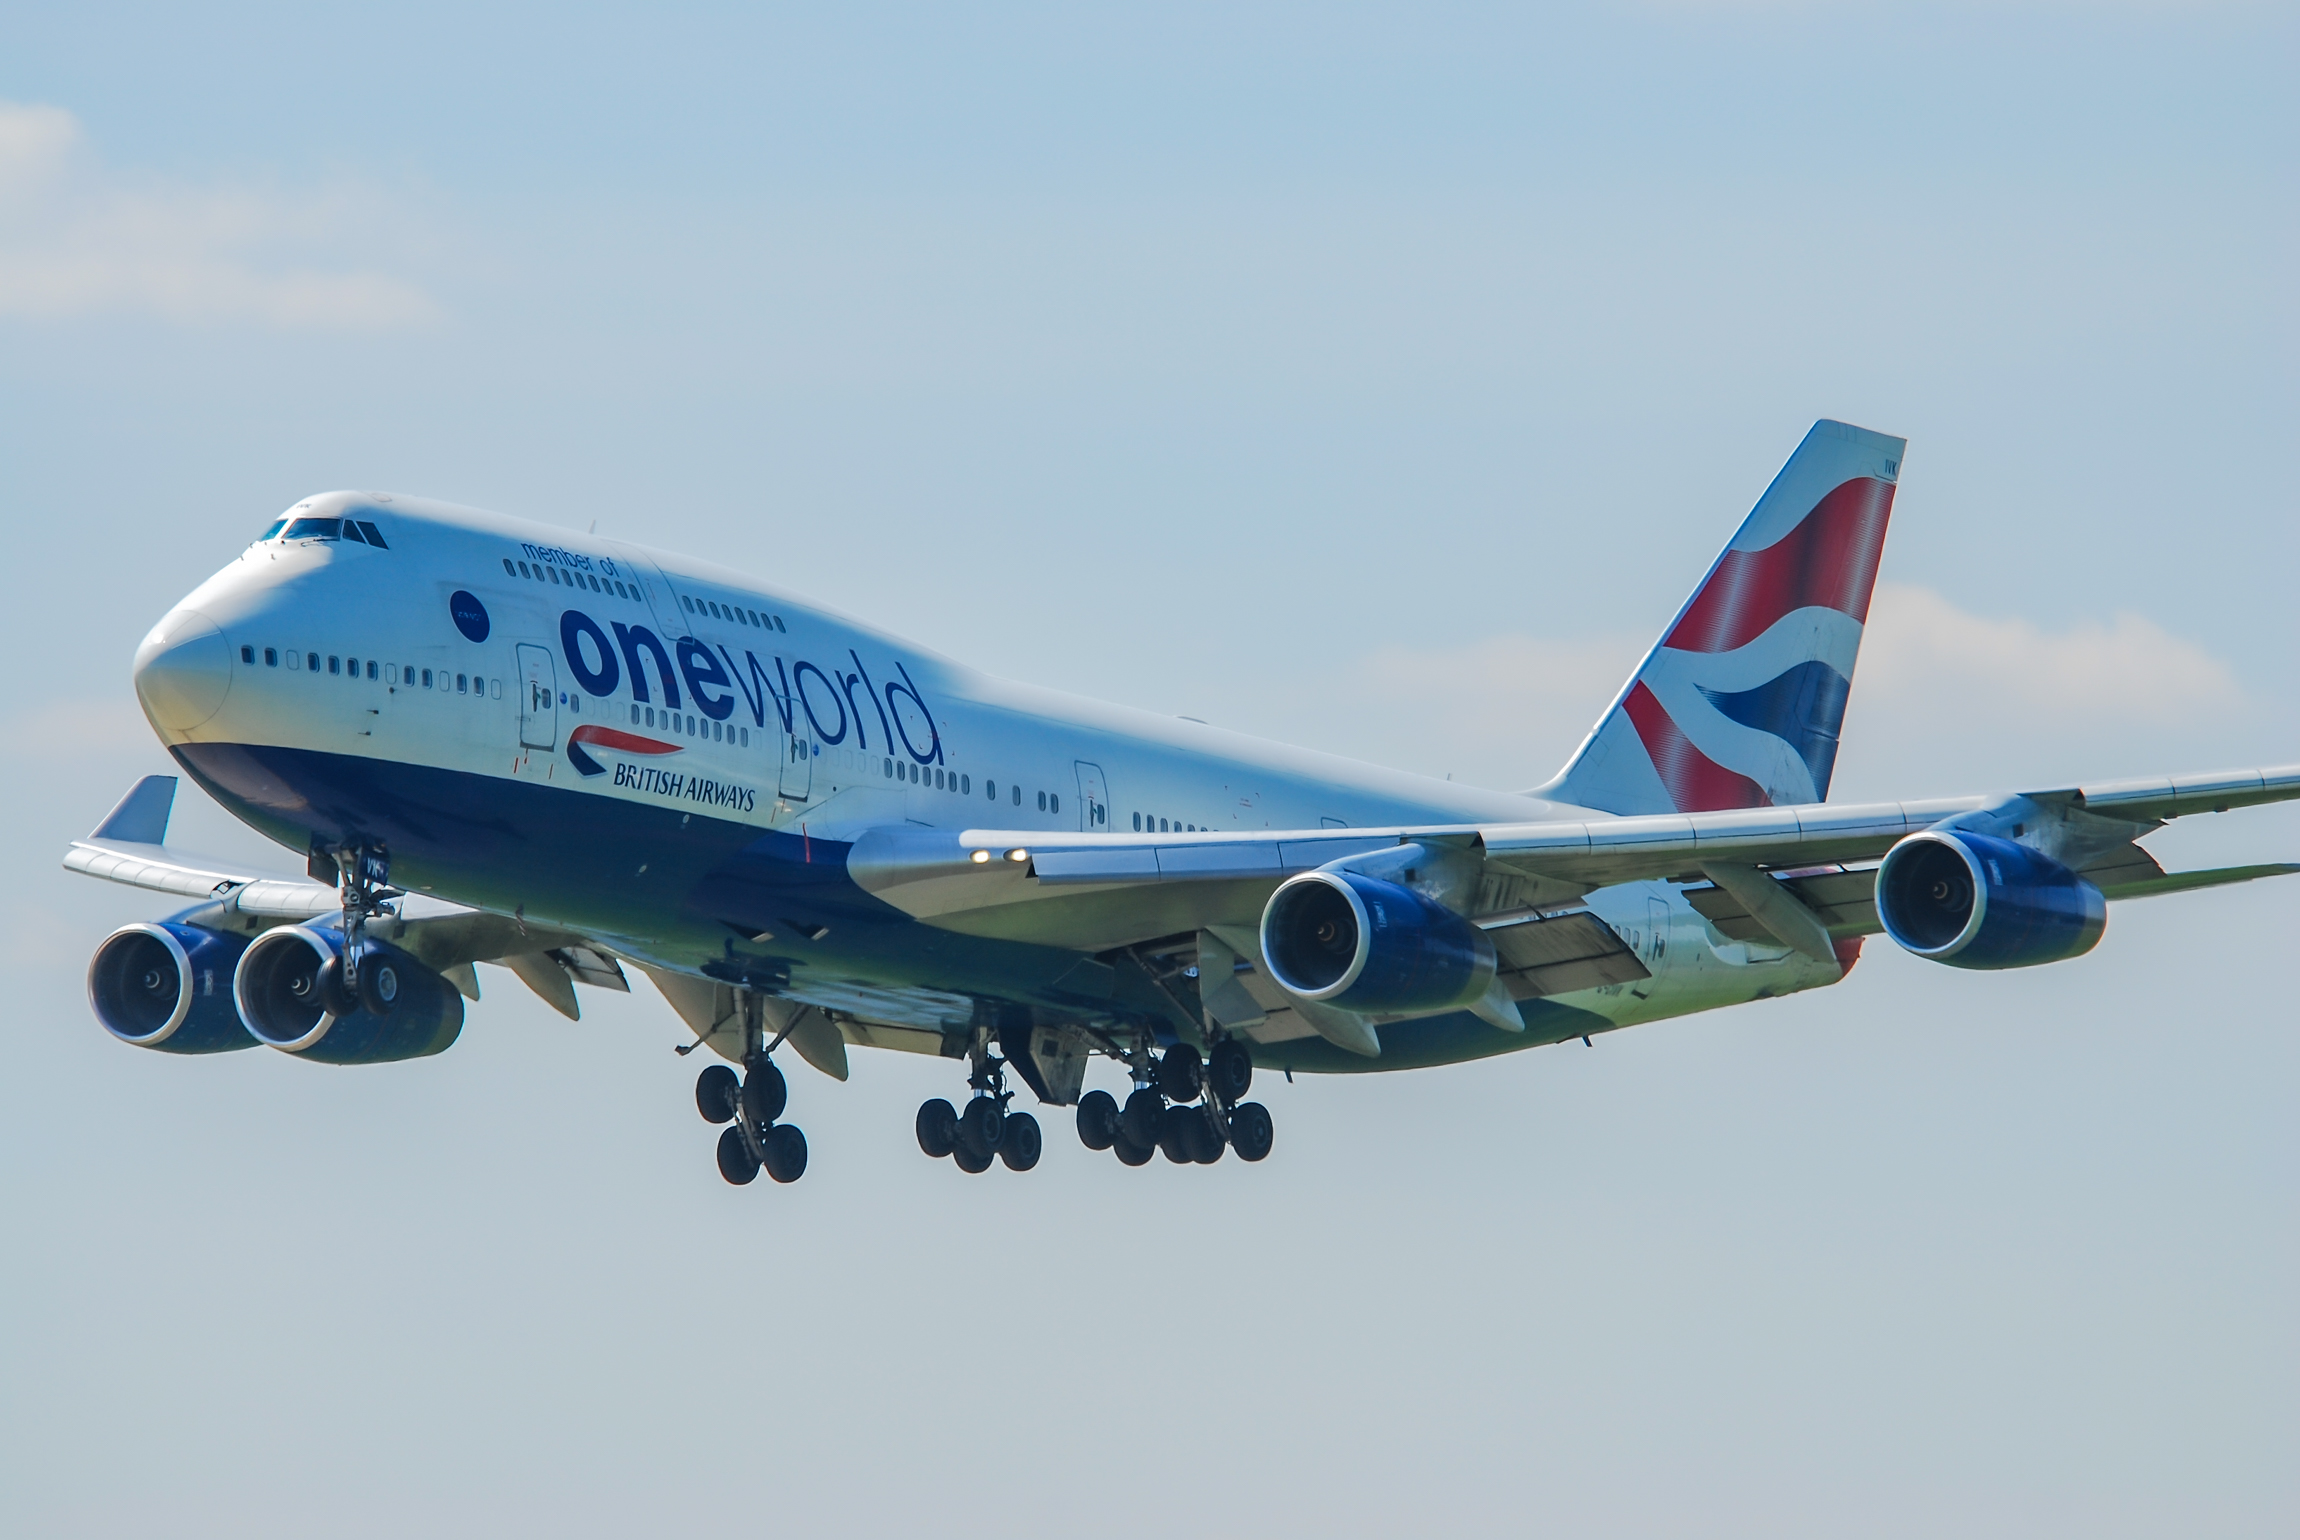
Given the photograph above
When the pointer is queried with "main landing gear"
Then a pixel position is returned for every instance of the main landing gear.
(753, 1140)
(1155, 1118)
(985, 1130)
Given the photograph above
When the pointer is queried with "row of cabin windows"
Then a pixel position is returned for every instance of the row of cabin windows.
(1144, 823)
(734, 613)
(567, 577)
(694, 727)
(404, 675)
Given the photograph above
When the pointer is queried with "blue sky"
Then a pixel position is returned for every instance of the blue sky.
(1378, 378)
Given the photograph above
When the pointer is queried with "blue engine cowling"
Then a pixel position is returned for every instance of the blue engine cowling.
(1975, 901)
(292, 997)
(169, 986)
(1362, 944)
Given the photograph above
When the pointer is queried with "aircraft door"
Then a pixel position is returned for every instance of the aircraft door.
(1656, 955)
(1093, 800)
(538, 698)
(798, 771)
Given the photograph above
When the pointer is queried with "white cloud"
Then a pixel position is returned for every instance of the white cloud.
(1943, 697)
(77, 239)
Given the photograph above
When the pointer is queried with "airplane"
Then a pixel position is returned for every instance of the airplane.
(495, 741)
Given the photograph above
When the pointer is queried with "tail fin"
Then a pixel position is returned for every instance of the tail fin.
(1740, 702)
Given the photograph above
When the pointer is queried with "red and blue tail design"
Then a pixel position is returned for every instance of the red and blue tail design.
(1741, 701)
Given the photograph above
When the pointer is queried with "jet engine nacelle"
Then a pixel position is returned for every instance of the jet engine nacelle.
(169, 987)
(1365, 945)
(1975, 901)
(292, 996)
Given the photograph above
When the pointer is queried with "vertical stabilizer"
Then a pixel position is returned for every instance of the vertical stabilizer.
(1740, 702)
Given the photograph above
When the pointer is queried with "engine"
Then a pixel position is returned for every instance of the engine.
(1975, 901)
(169, 987)
(1361, 944)
(293, 996)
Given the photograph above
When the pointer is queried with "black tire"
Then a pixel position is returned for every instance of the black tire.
(1097, 1119)
(765, 1092)
(1230, 1071)
(1181, 1073)
(1020, 1142)
(1206, 1142)
(937, 1128)
(335, 997)
(1250, 1130)
(379, 984)
(1130, 1153)
(1174, 1140)
(1144, 1110)
(971, 1163)
(735, 1161)
(978, 1126)
(718, 1094)
(786, 1153)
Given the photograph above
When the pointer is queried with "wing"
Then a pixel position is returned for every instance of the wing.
(128, 847)
(1105, 892)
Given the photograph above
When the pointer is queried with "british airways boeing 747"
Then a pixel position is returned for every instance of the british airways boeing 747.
(488, 740)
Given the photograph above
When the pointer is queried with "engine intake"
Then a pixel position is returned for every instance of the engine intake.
(292, 996)
(169, 987)
(1362, 944)
(1975, 901)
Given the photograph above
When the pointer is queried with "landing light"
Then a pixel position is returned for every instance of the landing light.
(1018, 854)
(979, 857)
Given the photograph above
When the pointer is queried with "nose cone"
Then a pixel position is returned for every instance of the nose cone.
(183, 671)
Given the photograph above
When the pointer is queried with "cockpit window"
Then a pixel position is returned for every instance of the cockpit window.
(351, 531)
(277, 526)
(314, 529)
(374, 535)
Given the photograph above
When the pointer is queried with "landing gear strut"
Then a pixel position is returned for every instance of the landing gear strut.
(1158, 1116)
(359, 981)
(986, 1130)
(753, 1139)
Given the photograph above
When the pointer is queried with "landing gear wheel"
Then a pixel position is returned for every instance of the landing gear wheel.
(765, 1093)
(335, 997)
(1230, 1071)
(1206, 1145)
(978, 1127)
(1181, 1073)
(786, 1153)
(718, 1094)
(1250, 1130)
(1130, 1153)
(937, 1128)
(1174, 1135)
(968, 1161)
(1144, 1110)
(736, 1162)
(1097, 1119)
(378, 984)
(1020, 1141)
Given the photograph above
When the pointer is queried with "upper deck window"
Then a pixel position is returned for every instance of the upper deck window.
(314, 529)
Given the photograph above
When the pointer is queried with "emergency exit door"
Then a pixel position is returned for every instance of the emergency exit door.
(538, 698)
(1093, 800)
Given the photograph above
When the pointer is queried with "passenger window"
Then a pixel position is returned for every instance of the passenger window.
(311, 661)
(990, 790)
(1137, 823)
(390, 674)
(371, 668)
(462, 684)
(495, 689)
(779, 626)
(247, 654)
(508, 569)
(427, 679)
(744, 734)
(1042, 802)
(1054, 802)
(271, 657)
(966, 785)
(689, 603)
(1018, 796)
(890, 769)
(295, 660)
(334, 664)
(523, 572)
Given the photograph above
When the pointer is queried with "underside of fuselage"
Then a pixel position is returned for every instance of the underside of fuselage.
(773, 911)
